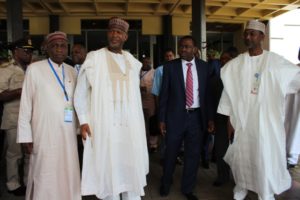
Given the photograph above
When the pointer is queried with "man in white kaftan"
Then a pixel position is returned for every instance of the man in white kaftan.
(47, 125)
(109, 108)
(255, 85)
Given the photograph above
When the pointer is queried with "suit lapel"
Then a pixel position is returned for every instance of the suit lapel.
(200, 77)
(179, 72)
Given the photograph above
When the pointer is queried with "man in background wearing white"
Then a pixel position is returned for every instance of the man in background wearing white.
(255, 85)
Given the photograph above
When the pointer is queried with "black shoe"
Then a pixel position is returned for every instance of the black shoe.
(190, 196)
(213, 159)
(20, 191)
(164, 191)
(218, 183)
(153, 150)
(205, 164)
(291, 166)
(179, 160)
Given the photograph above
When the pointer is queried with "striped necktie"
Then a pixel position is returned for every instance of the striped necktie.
(189, 86)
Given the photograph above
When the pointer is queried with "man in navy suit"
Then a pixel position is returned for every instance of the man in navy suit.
(183, 115)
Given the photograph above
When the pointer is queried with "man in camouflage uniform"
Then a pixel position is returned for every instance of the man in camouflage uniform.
(11, 81)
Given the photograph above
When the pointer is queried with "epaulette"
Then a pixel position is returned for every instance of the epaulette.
(6, 64)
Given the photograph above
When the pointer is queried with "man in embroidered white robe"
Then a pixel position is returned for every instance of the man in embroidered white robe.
(255, 85)
(109, 108)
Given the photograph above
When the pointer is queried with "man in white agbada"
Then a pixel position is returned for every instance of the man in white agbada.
(255, 85)
(47, 125)
(109, 108)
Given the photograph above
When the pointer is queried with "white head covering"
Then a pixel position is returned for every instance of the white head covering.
(256, 25)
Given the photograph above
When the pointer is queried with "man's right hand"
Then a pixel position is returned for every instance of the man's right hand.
(162, 128)
(84, 131)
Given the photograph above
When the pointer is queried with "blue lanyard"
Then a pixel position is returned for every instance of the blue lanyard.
(58, 79)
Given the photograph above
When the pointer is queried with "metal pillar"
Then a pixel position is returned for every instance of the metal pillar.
(199, 25)
(54, 23)
(14, 20)
(168, 39)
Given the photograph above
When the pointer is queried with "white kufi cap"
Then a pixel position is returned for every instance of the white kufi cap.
(256, 25)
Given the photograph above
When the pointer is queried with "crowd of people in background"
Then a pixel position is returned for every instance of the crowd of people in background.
(85, 114)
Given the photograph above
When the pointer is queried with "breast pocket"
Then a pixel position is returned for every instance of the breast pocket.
(16, 81)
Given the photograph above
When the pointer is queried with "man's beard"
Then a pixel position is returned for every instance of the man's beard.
(248, 44)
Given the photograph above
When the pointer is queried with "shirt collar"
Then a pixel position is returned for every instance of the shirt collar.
(184, 62)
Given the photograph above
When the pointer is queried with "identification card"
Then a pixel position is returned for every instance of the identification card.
(255, 84)
(68, 114)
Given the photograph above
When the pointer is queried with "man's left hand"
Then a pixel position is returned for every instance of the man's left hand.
(211, 126)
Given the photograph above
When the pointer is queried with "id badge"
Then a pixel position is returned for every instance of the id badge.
(255, 84)
(254, 88)
(68, 112)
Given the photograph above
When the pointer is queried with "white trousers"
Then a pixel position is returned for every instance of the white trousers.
(125, 196)
(241, 193)
(293, 159)
(267, 197)
(13, 157)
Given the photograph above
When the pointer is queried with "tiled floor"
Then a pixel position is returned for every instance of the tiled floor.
(204, 189)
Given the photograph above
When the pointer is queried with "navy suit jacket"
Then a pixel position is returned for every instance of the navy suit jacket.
(172, 100)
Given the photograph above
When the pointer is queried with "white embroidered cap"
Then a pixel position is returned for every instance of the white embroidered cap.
(256, 25)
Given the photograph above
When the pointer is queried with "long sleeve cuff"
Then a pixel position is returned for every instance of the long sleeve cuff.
(224, 110)
(83, 119)
(24, 137)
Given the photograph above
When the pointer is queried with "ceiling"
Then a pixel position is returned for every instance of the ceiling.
(231, 11)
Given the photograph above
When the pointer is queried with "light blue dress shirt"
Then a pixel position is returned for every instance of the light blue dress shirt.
(157, 80)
